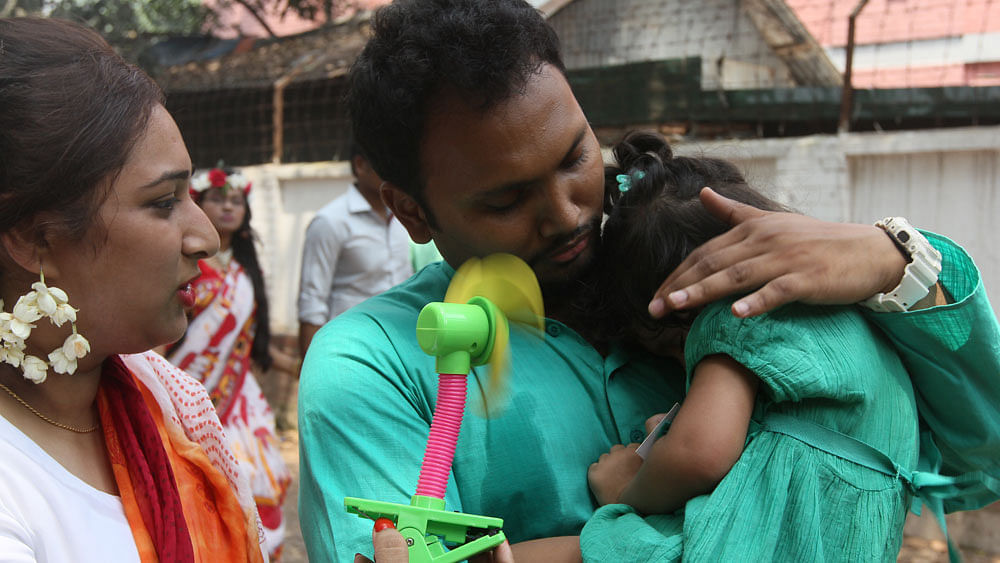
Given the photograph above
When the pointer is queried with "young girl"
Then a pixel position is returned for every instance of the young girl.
(228, 337)
(770, 455)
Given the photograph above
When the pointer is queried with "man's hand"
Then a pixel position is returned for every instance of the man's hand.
(781, 257)
(390, 547)
(612, 472)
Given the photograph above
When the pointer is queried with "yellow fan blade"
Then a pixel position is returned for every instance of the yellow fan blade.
(504, 279)
(510, 284)
(493, 401)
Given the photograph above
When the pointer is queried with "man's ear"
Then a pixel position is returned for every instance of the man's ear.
(408, 211)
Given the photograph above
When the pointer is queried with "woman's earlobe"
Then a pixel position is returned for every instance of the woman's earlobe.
(25, 250)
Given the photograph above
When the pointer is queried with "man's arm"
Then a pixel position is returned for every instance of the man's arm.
(780, 258)
(306, 333)
(952, 353)
(320, 252)
(363, 425)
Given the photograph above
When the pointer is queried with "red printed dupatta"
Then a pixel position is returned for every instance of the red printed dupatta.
(171, 466)
(216, 349)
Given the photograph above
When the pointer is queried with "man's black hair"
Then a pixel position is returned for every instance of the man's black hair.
(485, 51)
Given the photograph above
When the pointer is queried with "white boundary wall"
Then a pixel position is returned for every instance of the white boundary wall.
(945, 180)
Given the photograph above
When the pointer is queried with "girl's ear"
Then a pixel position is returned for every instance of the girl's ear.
(408, 211)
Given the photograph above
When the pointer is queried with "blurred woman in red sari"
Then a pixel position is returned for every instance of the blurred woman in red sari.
(228, 340)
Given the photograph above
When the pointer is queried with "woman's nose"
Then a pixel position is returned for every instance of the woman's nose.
(201, 240)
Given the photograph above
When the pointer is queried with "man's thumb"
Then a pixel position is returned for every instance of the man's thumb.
(730, 211)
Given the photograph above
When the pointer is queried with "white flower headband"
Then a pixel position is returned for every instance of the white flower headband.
(217, 178)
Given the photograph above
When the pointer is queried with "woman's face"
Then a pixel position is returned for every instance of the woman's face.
(225, 209)
(128, 273)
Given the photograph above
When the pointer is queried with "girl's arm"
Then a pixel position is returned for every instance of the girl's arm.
(703, 444)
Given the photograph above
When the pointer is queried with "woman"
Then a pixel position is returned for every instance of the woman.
(227, 335)
(106, 453)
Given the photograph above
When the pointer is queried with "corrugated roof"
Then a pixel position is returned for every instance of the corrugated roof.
(325, 52)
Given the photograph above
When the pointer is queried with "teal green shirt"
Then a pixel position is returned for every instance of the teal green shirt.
(367, 395)
(366, 398)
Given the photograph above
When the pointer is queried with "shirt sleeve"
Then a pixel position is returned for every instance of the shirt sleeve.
(320, 252)
(353, 368)
(952, 353)
(617, 533)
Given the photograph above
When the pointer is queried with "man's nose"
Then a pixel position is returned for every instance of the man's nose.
(559, 214)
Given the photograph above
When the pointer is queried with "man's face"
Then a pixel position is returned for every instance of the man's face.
(525, 178)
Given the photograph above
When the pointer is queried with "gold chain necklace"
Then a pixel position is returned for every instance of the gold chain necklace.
(47, 419)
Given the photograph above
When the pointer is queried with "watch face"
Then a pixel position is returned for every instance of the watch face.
(903, 237)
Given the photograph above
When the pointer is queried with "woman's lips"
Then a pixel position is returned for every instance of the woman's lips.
(186, 295)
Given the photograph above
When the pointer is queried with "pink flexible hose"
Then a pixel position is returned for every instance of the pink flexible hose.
(444, 435)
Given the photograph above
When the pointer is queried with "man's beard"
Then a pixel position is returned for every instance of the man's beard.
(565, 297)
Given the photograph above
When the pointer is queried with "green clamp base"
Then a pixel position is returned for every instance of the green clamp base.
(429, 529)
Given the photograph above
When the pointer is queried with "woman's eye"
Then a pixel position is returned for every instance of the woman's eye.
(166, 203)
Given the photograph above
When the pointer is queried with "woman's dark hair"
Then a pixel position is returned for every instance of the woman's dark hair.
(483, 50)
(71, 110)
(654, 225)
(245, 252)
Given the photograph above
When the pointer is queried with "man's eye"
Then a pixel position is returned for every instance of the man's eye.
(504, 204)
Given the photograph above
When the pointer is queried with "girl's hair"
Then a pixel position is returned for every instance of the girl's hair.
(654, 225)
(71, 110)
(245, 252)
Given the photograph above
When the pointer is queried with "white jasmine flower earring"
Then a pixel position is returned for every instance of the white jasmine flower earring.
(15, 328)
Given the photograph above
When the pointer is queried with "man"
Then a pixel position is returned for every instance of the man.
(353, 250)
(464, 110)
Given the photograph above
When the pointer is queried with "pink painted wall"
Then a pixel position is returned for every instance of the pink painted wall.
(883, 21)
(237, 21)
(900, 21)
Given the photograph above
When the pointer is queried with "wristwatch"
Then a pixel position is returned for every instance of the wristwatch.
(918, 276)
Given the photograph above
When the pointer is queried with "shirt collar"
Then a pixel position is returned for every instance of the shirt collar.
(356, 203)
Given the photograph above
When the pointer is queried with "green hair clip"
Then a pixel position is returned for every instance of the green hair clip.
(625, 180)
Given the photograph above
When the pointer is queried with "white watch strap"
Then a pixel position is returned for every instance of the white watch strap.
(918, 276)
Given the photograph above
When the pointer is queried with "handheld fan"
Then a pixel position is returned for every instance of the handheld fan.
(469, 328)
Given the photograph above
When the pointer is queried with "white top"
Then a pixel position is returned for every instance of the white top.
(350, 254)
(47, 514)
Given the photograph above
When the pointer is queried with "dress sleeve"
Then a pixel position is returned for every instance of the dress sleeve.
(352, 367)
(797, 351)
(952, 353)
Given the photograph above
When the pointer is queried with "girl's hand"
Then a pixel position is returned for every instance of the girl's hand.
(609, 476)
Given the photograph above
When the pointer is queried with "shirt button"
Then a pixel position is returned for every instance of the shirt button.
(636, 436)
(553, 329)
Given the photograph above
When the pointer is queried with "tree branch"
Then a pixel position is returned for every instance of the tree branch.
(260, 20)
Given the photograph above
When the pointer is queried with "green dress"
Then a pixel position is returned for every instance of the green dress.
(784, 499)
